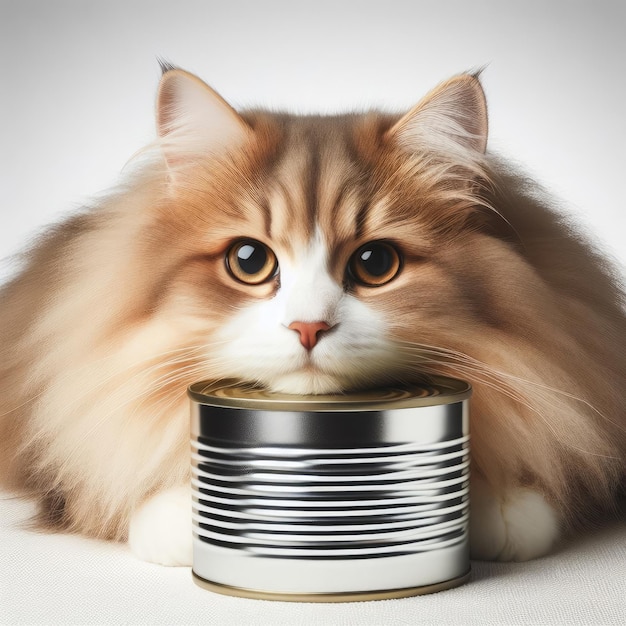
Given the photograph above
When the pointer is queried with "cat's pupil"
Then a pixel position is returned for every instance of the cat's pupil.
(376, 260)
(251, 258)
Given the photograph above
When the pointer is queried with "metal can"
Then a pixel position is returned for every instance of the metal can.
(357, 496)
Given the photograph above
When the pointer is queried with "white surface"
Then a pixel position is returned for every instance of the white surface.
(58, 579)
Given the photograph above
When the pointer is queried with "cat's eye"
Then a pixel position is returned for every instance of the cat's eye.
(251, 262)
(375, 264)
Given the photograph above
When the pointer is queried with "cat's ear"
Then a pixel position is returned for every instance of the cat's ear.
(451, 116)
(193, 119)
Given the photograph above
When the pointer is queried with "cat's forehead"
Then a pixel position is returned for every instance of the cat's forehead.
(321, 182)
(325, 179)
(314, 185)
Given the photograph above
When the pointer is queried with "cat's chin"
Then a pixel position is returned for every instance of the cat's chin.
(305, 383)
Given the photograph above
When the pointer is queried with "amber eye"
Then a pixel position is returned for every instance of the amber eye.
(375, 264)
(251, 262)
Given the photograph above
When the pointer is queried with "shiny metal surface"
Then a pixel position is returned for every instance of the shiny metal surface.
(326, 501)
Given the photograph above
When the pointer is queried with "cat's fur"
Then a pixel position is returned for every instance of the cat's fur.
(119, 308)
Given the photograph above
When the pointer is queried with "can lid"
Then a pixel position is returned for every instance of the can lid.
(435, 390)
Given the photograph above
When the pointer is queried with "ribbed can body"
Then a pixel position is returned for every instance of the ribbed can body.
(331, 497)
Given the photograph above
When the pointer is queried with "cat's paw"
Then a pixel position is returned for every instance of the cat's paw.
(518, 526)
(160, 529)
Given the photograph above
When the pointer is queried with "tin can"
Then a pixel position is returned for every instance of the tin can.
(357, 496)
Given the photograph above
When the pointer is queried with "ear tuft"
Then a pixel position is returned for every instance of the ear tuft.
(165, 65)
(452, 116)
(192, 119)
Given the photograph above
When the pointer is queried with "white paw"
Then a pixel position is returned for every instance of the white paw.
(518, 526)
(160, 529)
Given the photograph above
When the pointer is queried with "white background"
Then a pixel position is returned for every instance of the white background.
(78, 80)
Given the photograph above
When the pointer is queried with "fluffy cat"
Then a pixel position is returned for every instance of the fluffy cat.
(309, 255)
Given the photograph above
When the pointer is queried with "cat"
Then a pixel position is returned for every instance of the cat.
(312, 254)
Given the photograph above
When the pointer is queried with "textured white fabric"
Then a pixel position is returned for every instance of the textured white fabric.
(60, 579)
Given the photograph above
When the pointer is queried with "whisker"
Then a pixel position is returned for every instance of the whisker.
(456, 355)
(58, 382)
(433, 359)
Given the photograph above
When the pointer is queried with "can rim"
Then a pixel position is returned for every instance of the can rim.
(345, 596)
(436, 390)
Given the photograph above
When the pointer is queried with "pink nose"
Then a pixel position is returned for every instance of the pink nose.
(308, 332)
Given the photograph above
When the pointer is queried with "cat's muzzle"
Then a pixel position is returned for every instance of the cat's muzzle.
(330, 498)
